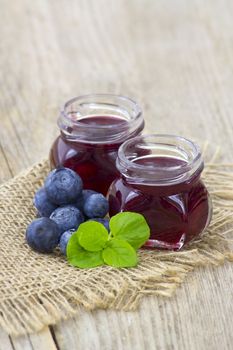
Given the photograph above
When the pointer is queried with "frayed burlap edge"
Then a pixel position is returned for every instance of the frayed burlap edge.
(38, 290)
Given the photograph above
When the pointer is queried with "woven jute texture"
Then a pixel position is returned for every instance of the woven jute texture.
(38, 290)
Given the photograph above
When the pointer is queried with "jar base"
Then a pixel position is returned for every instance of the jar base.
(153, 243)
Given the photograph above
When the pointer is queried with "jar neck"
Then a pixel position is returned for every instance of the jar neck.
(100, 119)
(159, 160)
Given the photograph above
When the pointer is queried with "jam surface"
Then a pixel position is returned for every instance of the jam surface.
(175, 213)
(94, 162)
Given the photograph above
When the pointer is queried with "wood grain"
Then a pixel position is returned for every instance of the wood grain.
(175, 59)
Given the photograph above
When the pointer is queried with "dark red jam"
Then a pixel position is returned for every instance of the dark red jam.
(94, 162)
(176, 212)
(92, 129)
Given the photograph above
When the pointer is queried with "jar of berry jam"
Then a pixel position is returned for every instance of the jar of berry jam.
(92, 129)
(161, 179)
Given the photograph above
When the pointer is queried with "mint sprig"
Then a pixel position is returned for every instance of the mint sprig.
(92, 246)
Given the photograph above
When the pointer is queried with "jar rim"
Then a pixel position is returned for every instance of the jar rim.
(98, 95)
(126, 110)
(161, 174)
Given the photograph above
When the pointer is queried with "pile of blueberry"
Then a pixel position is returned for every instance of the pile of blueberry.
(62, 206)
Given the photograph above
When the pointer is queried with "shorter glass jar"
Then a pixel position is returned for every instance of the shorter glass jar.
(92, 129)
(160, 178)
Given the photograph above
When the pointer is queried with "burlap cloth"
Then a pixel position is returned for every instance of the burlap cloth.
(38, 290)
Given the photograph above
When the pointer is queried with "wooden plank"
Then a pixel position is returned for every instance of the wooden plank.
(43, 340)
(5, 342)
(5, 169)
(38, 341)
(21, 343)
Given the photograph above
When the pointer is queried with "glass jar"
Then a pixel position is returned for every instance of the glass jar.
(92, 129)
(160, 178)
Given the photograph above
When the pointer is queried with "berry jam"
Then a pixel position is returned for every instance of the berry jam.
(95, 163)
(176, 211)
(92, 129)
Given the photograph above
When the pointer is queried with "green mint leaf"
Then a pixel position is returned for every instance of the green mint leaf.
(119, 253)
(92, 236)
(87, 259)
(131, 227)
(79, 257)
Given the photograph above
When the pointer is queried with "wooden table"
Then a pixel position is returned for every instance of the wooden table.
(175, 59)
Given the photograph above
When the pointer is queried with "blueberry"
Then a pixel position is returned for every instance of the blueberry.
(42, 203)
(88, 193)
(43, 235)
(82, 198)
(63, 186)
(96, 205)
(104, 222)
(64, 240)
(67, 217)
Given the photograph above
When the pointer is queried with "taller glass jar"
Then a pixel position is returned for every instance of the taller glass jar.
(160, 178)
(92, 129)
